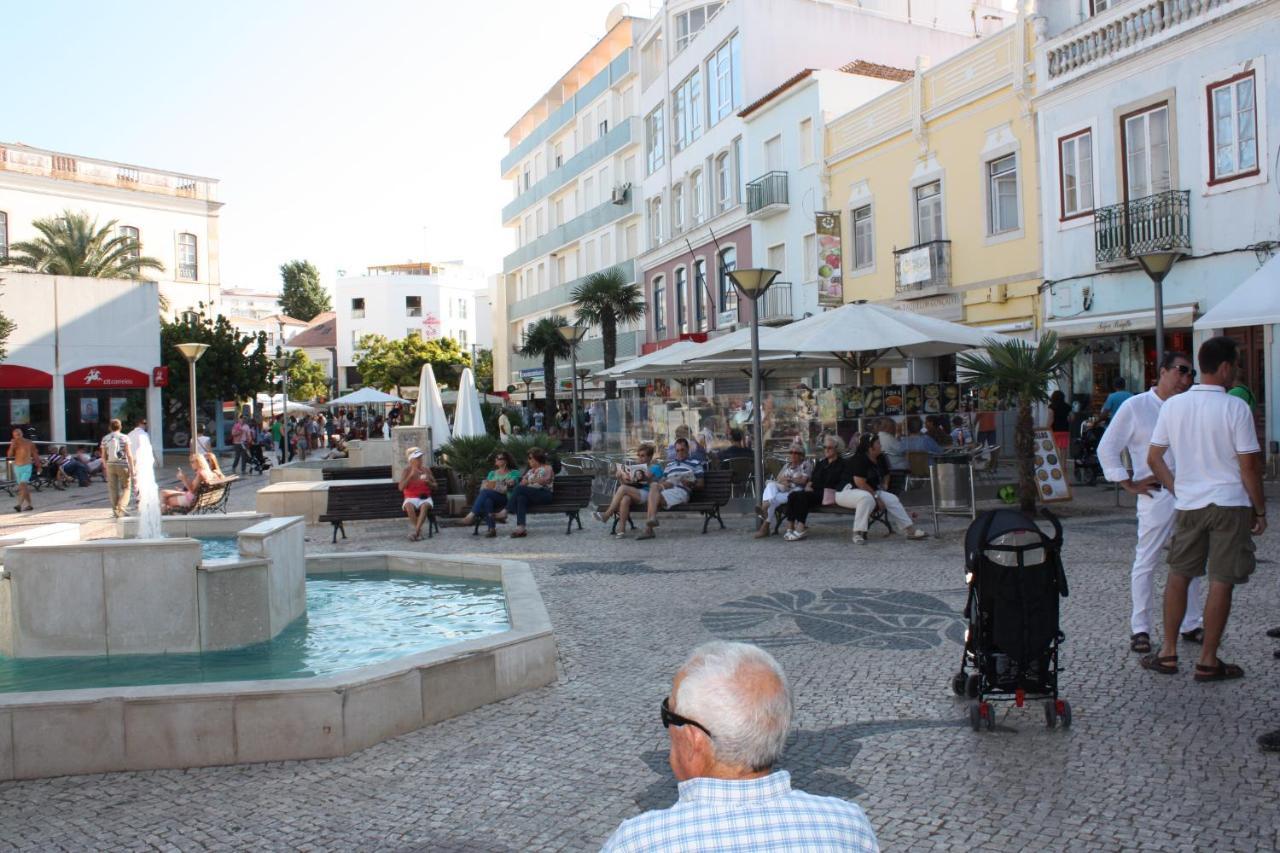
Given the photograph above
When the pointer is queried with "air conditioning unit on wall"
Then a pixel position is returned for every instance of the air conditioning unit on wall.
(620, 193)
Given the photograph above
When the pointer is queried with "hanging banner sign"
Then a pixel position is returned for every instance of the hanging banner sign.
(830, 260)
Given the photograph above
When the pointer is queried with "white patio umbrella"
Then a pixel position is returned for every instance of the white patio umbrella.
(667, 355)
(430, 410)
(467, 418)
(1255, 301)
(274, 404)
(365, 397)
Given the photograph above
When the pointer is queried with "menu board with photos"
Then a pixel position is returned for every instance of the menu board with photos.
(893, 399)
(1051, 476)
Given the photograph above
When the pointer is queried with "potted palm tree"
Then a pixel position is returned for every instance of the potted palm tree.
(544, 341)
(1015, 371)
(606, 299)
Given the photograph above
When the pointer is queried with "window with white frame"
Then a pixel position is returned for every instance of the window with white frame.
(540, 220)
(462, 309)
(462, 338)
(806, 141)
(696, 200)
(728, 295)
(557, 155)
(562, 269)
(1002, 194)
(659, 305)
(188, 268)
(1075, 174)
(588, 193)
(773, 153)
(129, 233)
(690, 23)
(739, 176)
(686, 111)
(863, 238)
(677, 208)
(724, 79)
(1233, 132)
(724, 183)
(810, 246)
(413, 306)
(655, 221)
(654, 139)
(680, 286)
(357, 308)
(928, 201)
(1145, 140)
(652, 61)
(606, 250)
(698, 286)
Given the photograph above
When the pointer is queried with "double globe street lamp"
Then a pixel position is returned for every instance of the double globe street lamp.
(752, 284)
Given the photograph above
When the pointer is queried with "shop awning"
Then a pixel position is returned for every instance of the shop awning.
(16, 376)
(1254, 302)
(104, 376)
(1175, 316)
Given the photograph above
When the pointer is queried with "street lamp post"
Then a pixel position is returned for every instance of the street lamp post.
(573, 334)
(1157, 265)
(192, 353)
(752, 283)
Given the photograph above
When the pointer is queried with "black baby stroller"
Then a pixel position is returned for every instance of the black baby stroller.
(1015, 577)
(1084, 452)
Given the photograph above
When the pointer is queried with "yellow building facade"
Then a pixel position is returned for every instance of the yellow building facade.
(936, 184)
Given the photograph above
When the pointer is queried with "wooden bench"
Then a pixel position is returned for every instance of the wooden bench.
(371, 472)
(210, 498)
(367, 502)
(717, 486)
(570, 495)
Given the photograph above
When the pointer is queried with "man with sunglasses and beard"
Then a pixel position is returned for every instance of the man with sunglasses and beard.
(727, 716)
(1130, 429)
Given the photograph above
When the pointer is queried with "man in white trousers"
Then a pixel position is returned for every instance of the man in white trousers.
(1130, 430)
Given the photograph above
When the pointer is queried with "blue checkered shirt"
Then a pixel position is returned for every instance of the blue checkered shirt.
(748, 815)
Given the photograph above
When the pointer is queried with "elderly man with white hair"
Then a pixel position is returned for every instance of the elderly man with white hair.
(728, 716)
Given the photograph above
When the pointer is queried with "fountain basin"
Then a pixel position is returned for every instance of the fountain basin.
(98, 730)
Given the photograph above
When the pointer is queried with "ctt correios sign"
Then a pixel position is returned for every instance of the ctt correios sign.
(830, 260)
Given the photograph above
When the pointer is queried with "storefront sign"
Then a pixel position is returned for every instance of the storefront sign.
(106, 376)
(830, 258)
(915, 266)
(944, 306)
(160, 377)
(531, 374)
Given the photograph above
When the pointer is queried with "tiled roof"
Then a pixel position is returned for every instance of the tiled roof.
(787, 84)
(323, 332)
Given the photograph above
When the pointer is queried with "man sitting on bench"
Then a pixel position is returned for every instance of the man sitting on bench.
(869, 470)
(680, 477)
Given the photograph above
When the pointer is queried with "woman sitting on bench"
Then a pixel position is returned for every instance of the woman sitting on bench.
(416, 484)
(492, 499)
(184, 498)
(534, 489)
(633, 488)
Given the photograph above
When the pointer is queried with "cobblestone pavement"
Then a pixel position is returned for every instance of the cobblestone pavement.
(869, 637)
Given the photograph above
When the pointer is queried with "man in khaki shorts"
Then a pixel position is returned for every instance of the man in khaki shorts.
(1218, 494)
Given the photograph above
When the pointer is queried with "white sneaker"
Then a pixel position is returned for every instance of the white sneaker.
(859, 539)
(597, 516)
(917, 534)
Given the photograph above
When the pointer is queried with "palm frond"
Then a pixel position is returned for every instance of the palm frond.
(1016, 369)
(73, 244)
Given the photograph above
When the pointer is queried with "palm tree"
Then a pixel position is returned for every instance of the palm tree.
(1016, 371)
(543, 340)
(73, 245)
(606, 299)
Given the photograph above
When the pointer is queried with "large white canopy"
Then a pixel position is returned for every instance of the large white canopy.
(365, 397)
(667, 355)
(1255, 301)
(274, 404)
(467, 417)
(430, 410)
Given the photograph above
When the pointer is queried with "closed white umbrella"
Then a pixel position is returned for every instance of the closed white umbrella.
(467, 418)
(430, 411)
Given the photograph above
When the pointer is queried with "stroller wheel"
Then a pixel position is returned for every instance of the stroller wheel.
(975, 716)
(1050, 714)
(958, 684)
(972, 685)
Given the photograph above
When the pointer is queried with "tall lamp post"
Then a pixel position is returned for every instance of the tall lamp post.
(192, 353)
(1157, 265)
(752, 283)
(573, 334)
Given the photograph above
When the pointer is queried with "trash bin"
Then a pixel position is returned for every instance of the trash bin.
(952, 483)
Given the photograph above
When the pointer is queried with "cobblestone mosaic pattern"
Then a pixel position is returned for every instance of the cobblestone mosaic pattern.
(868, 636)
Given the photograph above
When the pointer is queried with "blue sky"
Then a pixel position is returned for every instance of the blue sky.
(349, 134)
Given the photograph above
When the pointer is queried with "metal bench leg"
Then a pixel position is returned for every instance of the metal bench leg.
(568, 528)
(339, 526)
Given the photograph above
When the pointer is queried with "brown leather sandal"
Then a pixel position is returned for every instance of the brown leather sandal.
(1164, 665)
(1218, 672)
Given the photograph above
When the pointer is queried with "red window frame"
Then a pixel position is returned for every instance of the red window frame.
(1214, 180)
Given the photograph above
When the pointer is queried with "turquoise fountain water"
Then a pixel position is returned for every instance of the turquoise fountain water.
(352, 620)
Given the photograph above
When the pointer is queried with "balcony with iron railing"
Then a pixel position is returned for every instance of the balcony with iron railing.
(775, 304)
(1125, 30)
(1155, 223)
(923, 270)
(767, 195)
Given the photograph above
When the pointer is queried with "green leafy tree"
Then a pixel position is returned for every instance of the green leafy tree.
(307, 378)
(385, 363)
(1020, 373)
(543, 340)
(606, 299)
(303, 297)
(6, 329)
(72, 244)
(484, 371)
(235, 367)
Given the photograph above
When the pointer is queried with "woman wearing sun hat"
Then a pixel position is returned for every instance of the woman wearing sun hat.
(791, 478)
(416, 484)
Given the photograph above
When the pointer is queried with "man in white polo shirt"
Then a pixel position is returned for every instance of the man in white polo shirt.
(1130, 430)
(1218, 494)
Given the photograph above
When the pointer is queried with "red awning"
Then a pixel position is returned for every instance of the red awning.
(16, 376)
(106, 376)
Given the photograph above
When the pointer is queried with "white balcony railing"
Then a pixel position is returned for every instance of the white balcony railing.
(1125, 30)
(33, 161)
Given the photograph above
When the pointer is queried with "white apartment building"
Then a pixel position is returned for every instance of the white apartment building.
(243, 302)
(397, 300)
(701, 64)
(173, 215)
(1154, 136)
(573, 163)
